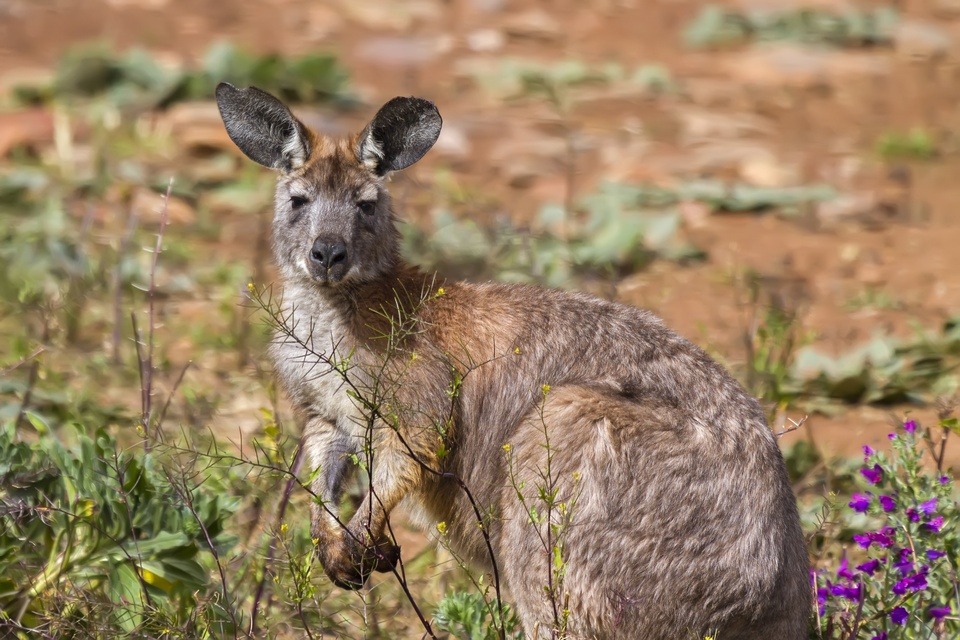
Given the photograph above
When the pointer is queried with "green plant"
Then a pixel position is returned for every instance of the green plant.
(93, 537)
(136, 79)
(771, 342)
(916, 144)
(718, 26)
(884, 370)
(468, 616)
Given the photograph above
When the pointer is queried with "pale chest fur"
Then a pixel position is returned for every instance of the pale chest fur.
(312, 356)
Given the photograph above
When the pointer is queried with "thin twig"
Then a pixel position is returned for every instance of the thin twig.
(145, 351)
(24, 360)
(32, 377)
(281, 512)
(122, 251)
(794, 425)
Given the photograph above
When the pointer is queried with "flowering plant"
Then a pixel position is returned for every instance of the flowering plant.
(898, 579)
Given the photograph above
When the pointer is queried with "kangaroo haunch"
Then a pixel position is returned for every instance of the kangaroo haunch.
(677, 519)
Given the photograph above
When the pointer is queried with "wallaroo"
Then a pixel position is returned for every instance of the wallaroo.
(478, 403)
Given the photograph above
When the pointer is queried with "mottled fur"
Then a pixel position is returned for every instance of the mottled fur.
(683, 520)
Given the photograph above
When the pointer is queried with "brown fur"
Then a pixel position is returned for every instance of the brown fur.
(682, 522)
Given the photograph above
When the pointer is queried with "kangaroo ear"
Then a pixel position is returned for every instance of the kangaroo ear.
(263, 127)
(400, 134)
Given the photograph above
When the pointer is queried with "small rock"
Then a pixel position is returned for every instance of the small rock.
(694, 214)
(919, 41)
(780, 65)
(524, 155)
(29, 126)
(764, 170)
(947, 8)
(705, 125)
(534, 25)
(196, 126)
(486, 40)
(847, 208)
(138, 4)
(522, 172)
(322, 22)
(398, 51)
(487, 6)
(453, 142)
(379, 16)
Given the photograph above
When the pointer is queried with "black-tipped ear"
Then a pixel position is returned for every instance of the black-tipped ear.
(262, 127)
(400, 134)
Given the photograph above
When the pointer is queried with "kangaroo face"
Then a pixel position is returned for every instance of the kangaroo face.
(333, 224)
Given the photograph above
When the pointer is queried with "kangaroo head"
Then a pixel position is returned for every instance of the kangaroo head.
(333, 220)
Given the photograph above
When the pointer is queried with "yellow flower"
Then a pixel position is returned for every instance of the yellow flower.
(545, 389)
(250, 286)
(516, 350)
(507, 447)
(440, 292)
(284, 527)
(442, 528)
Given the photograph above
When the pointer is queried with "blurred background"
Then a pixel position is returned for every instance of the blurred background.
(777, 179)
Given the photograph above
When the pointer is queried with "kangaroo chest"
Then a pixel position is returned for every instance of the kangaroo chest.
(313, 357)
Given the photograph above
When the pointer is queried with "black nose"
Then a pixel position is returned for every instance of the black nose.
(327, 252)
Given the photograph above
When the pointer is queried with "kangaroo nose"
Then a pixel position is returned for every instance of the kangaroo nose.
(327, 252)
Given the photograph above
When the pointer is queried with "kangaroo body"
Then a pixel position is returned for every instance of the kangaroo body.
(673, 516)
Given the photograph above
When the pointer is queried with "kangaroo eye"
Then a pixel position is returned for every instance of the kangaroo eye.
(367, 207)
(297, 201)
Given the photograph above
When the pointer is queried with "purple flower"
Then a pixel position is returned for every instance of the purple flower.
(850, 593)
(891, 436)
(939, 613)
(935, 554)
(903, 563)
(929, 506)
(860, 502)
(843, 571)
(899, 615)
(913, 515)
(869, 567)
(887, 503)
(873, 474)
(910, 426)
(944, 479)
(882, 538)
(916, 582)
(880, 636)
(867, 452)
(823, 594)
(934, 525)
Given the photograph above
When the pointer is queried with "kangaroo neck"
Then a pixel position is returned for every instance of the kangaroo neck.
(370, 310)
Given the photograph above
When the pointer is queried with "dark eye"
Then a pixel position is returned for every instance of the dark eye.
(297, 201)
(367, 207)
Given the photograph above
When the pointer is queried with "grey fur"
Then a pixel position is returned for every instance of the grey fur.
(683, 523)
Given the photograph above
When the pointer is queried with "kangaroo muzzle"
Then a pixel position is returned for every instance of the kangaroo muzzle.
(328, 260)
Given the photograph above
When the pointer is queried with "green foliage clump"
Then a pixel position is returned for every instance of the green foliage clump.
(95, 539)
(916, 144)
(719, 26)
(515, 78)
(137, 79)
(468, 616)
(884, 370)
(618, 229)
